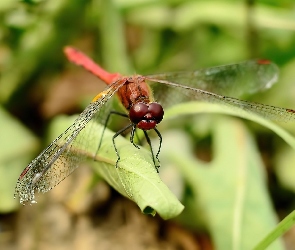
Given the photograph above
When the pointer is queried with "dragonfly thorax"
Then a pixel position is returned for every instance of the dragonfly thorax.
(146, 116)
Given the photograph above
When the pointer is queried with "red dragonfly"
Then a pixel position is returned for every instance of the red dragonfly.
(144, 98)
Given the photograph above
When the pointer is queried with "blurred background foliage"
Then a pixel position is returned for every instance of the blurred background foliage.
(146, 37)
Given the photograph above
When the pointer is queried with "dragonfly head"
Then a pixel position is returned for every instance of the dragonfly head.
(146, 116)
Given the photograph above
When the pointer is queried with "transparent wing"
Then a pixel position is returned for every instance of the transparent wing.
(66, 152)
(233, 80)
(186, 93)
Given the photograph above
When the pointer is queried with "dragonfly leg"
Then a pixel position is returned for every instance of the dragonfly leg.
(160, 138)
(114, 143)
(132, 136)
(104, 128)
(150, 144)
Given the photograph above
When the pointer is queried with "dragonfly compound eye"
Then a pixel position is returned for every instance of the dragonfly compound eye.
(137, 112)
(156, 111)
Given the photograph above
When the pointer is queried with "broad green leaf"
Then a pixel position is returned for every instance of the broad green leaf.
(197, 107)
(230, 192)
(135, 177)
(17, 148)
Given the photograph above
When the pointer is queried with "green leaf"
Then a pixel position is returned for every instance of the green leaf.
(227, 158)
(17, 148)
(135, 177)
(229, 192)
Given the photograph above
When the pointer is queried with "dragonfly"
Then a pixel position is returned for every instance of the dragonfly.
(144, 99)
